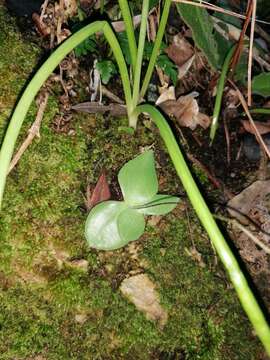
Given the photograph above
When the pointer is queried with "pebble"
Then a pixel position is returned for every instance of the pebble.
(251, 147)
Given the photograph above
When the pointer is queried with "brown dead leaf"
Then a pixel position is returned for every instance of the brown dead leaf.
(263, 128)
(186, 111)
(203, 120)
(93, 107)
(140, 290)
(100, 193)
(180, 51)
(167, 94)
(183, 69)
(244, 204)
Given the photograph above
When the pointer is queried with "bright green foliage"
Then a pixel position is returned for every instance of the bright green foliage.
(131, 224)
(87, 46)
(123, 41)
(138, 179)
(261, 84)
(113, 224)
(106, 69)
(163, 61)
(101, 228)
(169, 68)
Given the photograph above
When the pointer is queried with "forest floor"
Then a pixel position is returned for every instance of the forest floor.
(59, 299)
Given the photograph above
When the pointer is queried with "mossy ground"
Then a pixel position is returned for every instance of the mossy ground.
(42, 223)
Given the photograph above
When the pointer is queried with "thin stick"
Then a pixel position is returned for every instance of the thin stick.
(245, 106)
(207, 5)
(239, 49)
(112, 96)
(249, 234)
(43, 7)
(252, 29)
(32, 132)
(228, 142)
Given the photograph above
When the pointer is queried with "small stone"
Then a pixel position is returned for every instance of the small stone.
(80, 318)
(140, 290)
(251, 147)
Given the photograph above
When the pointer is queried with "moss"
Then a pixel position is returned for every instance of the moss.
(42, 225)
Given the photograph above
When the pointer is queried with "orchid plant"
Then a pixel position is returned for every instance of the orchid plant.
(113, 224)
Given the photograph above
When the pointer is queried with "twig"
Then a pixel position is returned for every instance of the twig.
(252, 28)
(43, 7)
(245, 106)
(246, 231)
(33, 131)
(239, 48)
(112, 96)
(234, 33)
(207, 5)
(228, 142)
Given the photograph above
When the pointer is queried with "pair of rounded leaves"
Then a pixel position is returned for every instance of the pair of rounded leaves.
(113, 224)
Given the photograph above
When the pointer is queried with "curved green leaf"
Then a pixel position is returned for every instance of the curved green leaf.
(159, 205)
(101, 228)
(202, 28)
(261, 84)
(131, 224)
(138, 179)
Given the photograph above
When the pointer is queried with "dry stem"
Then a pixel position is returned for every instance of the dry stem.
(33, 131)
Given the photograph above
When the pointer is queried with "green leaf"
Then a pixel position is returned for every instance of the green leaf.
(138, 179)
(159, 205)
(169, 68)
(131, 224)
(106, 69)
(261, 84)
(87, 46)
(123, 41)
(101, 228)
(126, 129)
(204, 34)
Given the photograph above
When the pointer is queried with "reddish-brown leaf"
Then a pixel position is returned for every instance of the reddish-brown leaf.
(100, 193)
(263, 128)
(180, 51)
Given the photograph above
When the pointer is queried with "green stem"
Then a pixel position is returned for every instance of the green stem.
(130, 31)
(41, 76)
(265, 111)
(238, 279)
(220, 89)
(138, 67)
(102, 7)
(155, 52)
